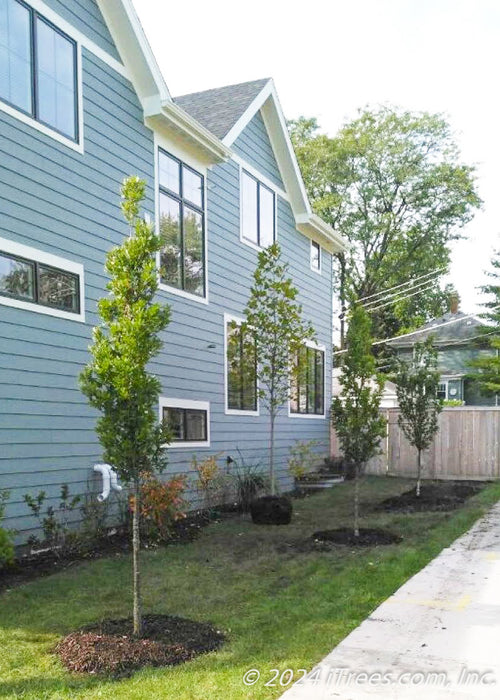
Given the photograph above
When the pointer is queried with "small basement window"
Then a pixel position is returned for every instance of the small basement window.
(188, 421)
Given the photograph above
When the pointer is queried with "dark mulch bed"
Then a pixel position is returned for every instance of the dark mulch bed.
(32, 566)
(367, 537)
(110, 648)
(442, 495)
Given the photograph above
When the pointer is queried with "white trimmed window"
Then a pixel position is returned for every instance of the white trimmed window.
(240, 370)
(38, 70)
(188, 421)
(182, 226)
(308, 384)
(315, 256)
(36, 281)
(258, 211)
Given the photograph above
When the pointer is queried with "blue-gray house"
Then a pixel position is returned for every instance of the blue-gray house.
(83, 105)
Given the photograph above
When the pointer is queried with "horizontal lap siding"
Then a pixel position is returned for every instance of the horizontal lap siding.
(67, 204)
(85, 16)
(231, 264)
(254, 146)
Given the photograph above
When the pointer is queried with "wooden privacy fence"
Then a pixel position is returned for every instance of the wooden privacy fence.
(466, 446)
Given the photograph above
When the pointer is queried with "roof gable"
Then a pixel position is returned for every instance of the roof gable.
(451, 328)
(239, 105)
(255, 147)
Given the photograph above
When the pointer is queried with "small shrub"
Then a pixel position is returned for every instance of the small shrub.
(6, 544)
(302, 458)
(94, 518)
(162, 504)
(452, 403)
(212, 482)
(249, 481)
(54, 524)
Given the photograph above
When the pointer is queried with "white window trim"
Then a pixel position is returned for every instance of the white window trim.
(30, 121)
(24, 251)
(185, 403)
(160, 142)
(312, 416)
(317, 270)
(271, 187)
(233, 411)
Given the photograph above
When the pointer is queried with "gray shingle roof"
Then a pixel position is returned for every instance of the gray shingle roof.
(219, 109)
(466, 327)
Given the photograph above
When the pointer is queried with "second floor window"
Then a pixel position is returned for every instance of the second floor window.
(257, 212)
(308, 386)
(182, 225)
(38, 68)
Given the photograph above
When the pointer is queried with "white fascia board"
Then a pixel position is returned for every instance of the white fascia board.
(171, 122)
(134, 49)
(318, 230)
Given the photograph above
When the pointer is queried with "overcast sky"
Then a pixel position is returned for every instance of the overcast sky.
(330, 57)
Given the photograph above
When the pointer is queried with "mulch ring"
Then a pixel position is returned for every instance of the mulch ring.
(367, 537)
(110, 648)
(441, 495)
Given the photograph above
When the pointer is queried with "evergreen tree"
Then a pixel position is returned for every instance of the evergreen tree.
(487, 367)
(117, 381)
(356, 412)
(416, 388)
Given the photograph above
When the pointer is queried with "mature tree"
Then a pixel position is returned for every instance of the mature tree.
(392, 183)
(355, 413)
(416, 388)
(273, 333)
(486, 369)
(117, 381)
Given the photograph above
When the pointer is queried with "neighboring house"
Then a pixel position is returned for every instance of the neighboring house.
(455, 337)
(82, 106)
(389, 397)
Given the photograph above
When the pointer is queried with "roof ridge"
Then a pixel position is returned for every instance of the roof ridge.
(222, 87)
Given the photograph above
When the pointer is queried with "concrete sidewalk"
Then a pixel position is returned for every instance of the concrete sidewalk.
(437, 637)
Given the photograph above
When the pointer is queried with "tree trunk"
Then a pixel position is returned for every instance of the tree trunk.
(419, 470)
(356, 501)
(271, 457)
(135, 556)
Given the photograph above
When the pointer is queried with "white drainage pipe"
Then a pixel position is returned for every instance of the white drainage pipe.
(109, 480)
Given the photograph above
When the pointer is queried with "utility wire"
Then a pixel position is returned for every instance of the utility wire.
(422, 330)
(402, 298)
(425, 283)
(403, 284)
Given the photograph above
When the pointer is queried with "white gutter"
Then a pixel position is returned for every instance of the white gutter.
(109, 481)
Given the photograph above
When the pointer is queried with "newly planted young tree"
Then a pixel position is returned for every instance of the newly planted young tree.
(355, 413)
(273, 332)
(486, 367)
(416, 388)
(117, 381)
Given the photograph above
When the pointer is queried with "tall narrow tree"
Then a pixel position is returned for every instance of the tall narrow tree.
(356, 412)
(416, 388)
(117, 381)
(274, 332)
(486, 368)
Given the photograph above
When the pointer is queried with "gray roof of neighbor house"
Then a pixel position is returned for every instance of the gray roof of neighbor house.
(464, 326)
(219, 109)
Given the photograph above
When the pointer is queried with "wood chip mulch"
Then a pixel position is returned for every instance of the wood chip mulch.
(110, 647)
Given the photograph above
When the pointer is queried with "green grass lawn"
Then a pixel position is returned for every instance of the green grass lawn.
(281, 608)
